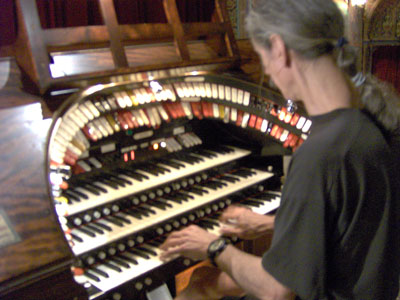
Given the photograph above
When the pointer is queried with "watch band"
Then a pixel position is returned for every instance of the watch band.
(215, 248)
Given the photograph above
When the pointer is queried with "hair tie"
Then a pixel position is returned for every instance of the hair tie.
(341, 42)
(358, 79)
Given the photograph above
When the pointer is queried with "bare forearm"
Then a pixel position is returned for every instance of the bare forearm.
(247, 271)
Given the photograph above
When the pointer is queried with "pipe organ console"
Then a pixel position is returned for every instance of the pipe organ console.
(130, 161)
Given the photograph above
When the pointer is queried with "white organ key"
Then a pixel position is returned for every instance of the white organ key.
(246, 98)
(221, 92)
(92, 108)
(214, 87)
(215, 110)
(209, 92)
(301, 122)
(86, 112)
(240, 95)
(139, 186)
(190, 89)
(144, 117)
(197, 89)
(228, 96)
(234, 95)
(307, 126)
(146, 95)
(226, 114)
(156, 115)
(187, 109)
(95, 162)
(138, 117)
(179, 90)
(163, 113)
(264, 126)
(245, 119)
(152, 118)
(233, 114)
(100, 127)
(136, 265)
(202, 88)
(127, 99)
(140, 98)
(120, 99)
(160, 215)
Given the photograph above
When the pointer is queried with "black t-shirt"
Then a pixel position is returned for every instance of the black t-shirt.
(337, 230)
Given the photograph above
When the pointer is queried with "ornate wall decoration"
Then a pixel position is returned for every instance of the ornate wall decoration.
(398, 21)
(384, 24)
(238, 10)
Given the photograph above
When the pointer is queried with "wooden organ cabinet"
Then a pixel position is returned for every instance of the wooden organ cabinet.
(128, 163)
(128, 157)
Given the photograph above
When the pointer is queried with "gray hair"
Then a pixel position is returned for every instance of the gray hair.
(312, 28)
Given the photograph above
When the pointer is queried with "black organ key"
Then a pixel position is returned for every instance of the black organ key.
(163, 201)
(108, 182)
(99, 272)
(148, 208)
(71, 196)
(211, 221)
(228, 178)
(161, 168)
(158, 205)
(205, 153)
(97, 187)
(147, 250)
(85, 231)
(134, 214)
(252, 203)
(76, 238)
(80, 194)
(120, 262)
(184, 194)
(122, 218)
(186, 159)
(172, 164)
(204, 224)
(104, 226)
(148, 170)
(141, 210)
(212, 185)
(115, 221)
(135, 175)
(94, 228)
(128, 258)
(92, 276)
(243, 173)
(139, 253)
(113, 267)
(155, 168)
(154, 243)
(198, 190)
(222, 149)
(88, 188)
(171, 198)
(119, 181)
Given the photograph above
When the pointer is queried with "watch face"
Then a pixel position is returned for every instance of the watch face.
(217, 244)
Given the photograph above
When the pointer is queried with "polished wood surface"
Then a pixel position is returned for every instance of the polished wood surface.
(32, 245)
(34, 44)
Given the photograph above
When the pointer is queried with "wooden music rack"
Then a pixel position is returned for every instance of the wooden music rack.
(34, 44)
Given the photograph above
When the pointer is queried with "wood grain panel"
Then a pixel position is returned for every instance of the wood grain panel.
(25, 201)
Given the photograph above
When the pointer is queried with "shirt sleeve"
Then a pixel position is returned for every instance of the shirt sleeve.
(296, 257)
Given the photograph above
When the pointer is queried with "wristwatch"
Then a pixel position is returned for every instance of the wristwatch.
(215, 248)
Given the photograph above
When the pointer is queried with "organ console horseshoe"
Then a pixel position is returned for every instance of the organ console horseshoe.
(130, 161)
